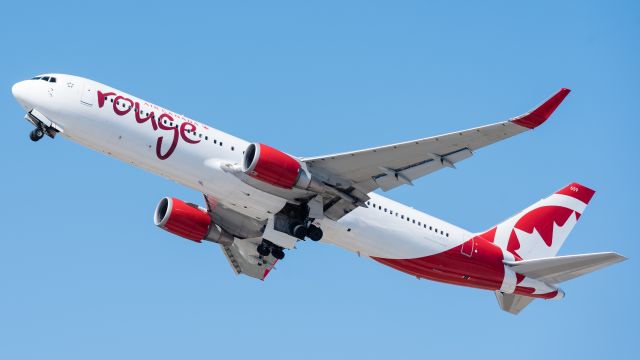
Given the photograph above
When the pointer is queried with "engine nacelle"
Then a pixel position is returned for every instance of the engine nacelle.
(270, 165)
(188, 221)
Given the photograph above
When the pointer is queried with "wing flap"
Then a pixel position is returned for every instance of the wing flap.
(391, 178)
(244, 259)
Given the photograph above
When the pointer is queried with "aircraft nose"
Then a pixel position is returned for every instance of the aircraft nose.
(19, 91)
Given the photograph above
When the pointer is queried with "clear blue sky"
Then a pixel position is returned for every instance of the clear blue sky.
(85, 274)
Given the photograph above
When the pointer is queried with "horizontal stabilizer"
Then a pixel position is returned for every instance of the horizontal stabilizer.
(557, 269)
(512, 303)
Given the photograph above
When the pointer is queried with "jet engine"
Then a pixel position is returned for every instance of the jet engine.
(270, 165)
(189, 221)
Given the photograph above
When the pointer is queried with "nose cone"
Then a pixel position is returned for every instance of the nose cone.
(20, 92)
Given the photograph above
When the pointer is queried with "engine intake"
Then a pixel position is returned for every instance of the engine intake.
(270, 165)
(188, 221)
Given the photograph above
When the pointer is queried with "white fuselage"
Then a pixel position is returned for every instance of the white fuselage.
(116, 126)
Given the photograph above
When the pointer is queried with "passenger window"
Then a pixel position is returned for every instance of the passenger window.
(402, 216)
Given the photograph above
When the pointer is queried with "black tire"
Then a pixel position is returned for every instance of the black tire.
(36, 134)
(300, 231)
(263, 250)
(277, 253)
(314, 233)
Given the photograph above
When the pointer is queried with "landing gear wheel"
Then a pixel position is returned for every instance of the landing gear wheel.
(263, 249)
(277, 253)
(299, 231)
(36, 134)
(314, 233)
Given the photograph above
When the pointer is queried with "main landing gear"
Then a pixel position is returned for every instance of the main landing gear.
(267, 248)
(306, 230)
(293, 220)
(36, 134)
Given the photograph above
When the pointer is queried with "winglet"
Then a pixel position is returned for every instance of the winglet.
(540, 114)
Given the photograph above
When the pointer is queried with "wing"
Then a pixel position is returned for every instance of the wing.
(360, 172)
(244, 258)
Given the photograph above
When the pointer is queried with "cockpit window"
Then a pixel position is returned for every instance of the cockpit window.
(45, 78)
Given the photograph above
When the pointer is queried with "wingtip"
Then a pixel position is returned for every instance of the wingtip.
(540, 114)
(620, 258)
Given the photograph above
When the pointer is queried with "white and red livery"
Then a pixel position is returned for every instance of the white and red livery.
(261, 201)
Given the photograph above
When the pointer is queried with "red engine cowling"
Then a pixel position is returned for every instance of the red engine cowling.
(182, 219)
(272, 166)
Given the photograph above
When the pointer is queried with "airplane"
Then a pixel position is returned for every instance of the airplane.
(260, 201)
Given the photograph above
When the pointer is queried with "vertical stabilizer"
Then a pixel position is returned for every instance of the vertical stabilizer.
(540, 230)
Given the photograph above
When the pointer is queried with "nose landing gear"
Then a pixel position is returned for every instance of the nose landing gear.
(43, 126)
(36, 134)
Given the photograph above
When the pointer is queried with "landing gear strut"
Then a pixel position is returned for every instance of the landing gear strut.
(36, 134)
(295, 221)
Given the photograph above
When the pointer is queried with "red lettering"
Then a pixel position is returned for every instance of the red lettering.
(142, 120)
(174, 140)
(102, 97)
(127, 108)
(183, 132)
